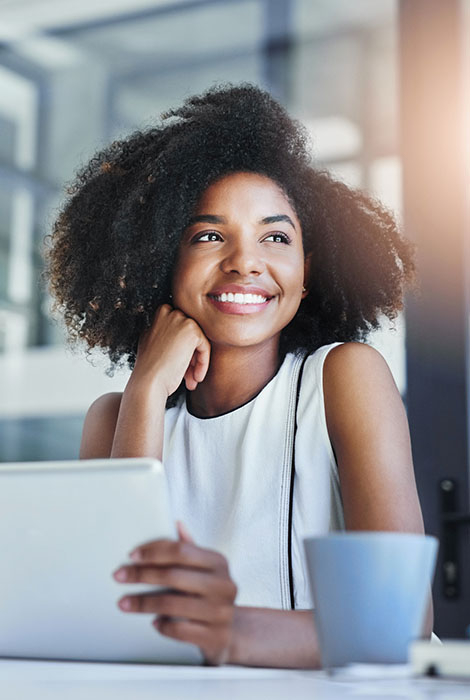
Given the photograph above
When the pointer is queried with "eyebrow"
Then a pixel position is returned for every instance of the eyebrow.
(275, 219)
(207, 219)
(214, 219)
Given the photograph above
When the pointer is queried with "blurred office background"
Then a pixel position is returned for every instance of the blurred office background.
(380, 84)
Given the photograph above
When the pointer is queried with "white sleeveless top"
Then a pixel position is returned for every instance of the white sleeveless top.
(229, 481)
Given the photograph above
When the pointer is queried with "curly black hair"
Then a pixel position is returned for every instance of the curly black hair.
(114, 245)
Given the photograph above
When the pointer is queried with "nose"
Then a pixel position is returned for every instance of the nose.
(244, 258)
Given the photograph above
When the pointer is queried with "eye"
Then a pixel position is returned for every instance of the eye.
(207, 236)
(278, 237)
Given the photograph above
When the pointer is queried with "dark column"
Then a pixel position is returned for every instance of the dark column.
(436, 219)
(278, 42)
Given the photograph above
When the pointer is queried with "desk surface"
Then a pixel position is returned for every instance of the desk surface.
(76, 681)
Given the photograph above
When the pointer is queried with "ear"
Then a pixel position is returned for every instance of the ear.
(307, 261)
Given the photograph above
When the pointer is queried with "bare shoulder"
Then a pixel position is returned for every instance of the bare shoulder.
(106, 404)
(355, 374)
(357, 383)
(99, 426)
(354, 360)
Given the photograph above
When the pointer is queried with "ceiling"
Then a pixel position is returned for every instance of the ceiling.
(20, 18)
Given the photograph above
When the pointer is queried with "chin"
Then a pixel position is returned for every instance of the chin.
(234, 342)
(244, 335)
(240, 340)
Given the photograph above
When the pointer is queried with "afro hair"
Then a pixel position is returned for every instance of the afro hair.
(114, 245)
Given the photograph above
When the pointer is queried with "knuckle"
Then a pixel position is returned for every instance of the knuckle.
(143, 554)
(132, 573)
(142, 603)
(178, 548)
(171, 627)
(192, 327)
(183, 551)
(165, 603)
(165, 577)
(137, 604)
(161, 311)
(169, 578)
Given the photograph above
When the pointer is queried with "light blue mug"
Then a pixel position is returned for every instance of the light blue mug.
(370, 592)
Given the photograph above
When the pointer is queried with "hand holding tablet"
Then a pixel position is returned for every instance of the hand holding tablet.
(196, 603)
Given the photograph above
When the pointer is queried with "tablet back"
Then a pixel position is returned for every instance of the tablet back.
(64, 528)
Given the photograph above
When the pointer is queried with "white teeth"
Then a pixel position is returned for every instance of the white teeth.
(241, 298)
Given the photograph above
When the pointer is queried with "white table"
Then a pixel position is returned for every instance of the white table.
(35, 680)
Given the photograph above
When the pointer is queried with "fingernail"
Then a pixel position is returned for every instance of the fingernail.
(120, 574)
(136, 555)
(125, 604)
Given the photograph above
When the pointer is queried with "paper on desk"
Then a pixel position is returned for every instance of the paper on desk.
(371, 671)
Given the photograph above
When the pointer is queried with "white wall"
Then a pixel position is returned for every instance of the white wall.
(53, 381)
(56, 381)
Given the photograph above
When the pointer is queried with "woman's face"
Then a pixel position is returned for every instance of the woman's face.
(241, 267)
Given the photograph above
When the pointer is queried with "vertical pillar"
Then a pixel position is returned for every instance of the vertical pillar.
(278, 19)
(436, 219)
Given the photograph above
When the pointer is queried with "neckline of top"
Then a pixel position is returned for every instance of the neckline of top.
(237, 408)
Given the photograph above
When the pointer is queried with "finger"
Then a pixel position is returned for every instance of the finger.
(164, 310)
(153, 575)
(161, 312)
(183, 533)
(189, 380)
(184, 630)
(203, 351)
(172, 604)
(189, 581)
(178, 553)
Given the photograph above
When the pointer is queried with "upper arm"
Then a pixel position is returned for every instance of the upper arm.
(99, 426)
(369, 432)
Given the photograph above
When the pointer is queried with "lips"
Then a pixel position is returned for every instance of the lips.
(240, 289)
(236, 299)
(240, 298)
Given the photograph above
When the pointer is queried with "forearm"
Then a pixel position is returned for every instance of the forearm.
(277, 638)
(280, 638)
(140, 423)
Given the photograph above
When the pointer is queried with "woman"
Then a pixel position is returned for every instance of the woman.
(235, 278)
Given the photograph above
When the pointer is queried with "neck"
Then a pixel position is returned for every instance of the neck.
(234, 377)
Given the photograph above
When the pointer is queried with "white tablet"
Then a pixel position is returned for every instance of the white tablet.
(64, 528)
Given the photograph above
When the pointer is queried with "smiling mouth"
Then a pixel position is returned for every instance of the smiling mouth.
(237, 298)
(239, 304)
